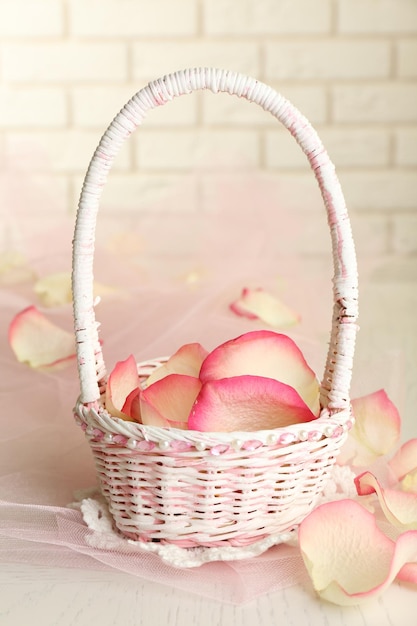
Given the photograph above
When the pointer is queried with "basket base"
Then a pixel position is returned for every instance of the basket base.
(97, 516)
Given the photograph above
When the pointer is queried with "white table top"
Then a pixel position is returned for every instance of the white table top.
(32, 594)
(64, 597)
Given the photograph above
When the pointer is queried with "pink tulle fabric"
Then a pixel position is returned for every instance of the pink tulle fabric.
(45, 464)
(162, 301)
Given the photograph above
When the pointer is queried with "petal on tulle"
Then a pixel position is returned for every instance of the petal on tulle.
(399, 507)
(122, 381)
(169, 400)
(247, 403)
(267, 354)
(55, 289)
(187, 361)
(376, 430)
(261, 305)
(348, 558)
(14, 269)
(404, 460)
(38, 342)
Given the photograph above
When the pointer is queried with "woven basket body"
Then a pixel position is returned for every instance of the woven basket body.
(194, 489)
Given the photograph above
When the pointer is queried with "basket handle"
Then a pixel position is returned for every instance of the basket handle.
(338, 369)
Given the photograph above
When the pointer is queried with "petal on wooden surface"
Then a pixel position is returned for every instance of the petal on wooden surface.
(404, 460)
(376, 430)
(399, 507)
(348, 558)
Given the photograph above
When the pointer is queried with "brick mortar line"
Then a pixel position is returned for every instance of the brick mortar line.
(273, 81)
(200, 18)
(334, 17)
(205, 38)
(294, 173)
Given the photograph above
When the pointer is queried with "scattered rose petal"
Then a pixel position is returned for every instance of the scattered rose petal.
(247, 403)
(267, 354)
(55, 289)
(38, 342)
(408, 573)
(14, 269)
(404, 465)
(122, 381)
(376, 430)
(399, 507)
(348, 558)
(259, 304)
(187, 361)
(168, 401)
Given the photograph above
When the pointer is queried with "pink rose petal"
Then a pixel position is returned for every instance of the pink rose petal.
(122, 381)
(267, 354)
(168, 401)
(55, 289)
(348, 558)
(38, 342)
(131, 406)
(14, 269)
(399, 507)
(376, 430)
(408, 573)
(247, 403)
(187, 360)
(259, 304)
(404, 460)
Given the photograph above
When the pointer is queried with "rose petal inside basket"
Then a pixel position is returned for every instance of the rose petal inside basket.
(247, 403)
(122, 381)
(168, 402)
(187, 360)
(267, 354)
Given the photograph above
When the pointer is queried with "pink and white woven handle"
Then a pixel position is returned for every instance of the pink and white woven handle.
(337, 375)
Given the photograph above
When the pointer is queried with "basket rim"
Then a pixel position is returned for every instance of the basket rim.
(100, 425)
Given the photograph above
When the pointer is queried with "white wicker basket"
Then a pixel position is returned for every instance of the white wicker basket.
(212, 490)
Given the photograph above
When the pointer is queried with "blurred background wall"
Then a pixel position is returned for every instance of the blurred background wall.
(68, 66)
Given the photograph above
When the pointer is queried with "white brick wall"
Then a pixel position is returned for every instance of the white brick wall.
(37, 18)
(64, 62)
(35, 107)
(377, 16)
(179, 150)
(68, 66)
(133, 18)
(327, 59)
(151, 60)
(254, 17)
(380, 102)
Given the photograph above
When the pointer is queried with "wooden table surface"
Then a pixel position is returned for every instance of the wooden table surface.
(62, 597)
(68, 597)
